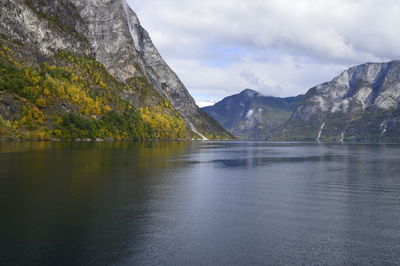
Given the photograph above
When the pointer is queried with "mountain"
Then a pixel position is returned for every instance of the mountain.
(88, 69)
(250, 115)
(362, 104)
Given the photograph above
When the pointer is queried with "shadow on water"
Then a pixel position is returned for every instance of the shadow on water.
(77, 203)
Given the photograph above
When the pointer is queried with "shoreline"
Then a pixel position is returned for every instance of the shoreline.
(5, 140)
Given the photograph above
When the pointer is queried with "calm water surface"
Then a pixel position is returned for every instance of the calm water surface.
(199, 203)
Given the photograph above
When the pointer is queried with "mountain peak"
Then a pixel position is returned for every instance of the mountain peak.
(250, 115)
(250, 93)
(361, 104)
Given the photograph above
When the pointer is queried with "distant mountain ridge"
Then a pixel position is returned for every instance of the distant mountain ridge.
(250, 115)
(361, 104)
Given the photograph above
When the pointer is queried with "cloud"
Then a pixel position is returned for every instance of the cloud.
(280, 47)
(205, 103)
(255, 81)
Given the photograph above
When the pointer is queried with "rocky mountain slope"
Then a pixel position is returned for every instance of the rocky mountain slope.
(87, 69)
(362, 104)
(250, 115)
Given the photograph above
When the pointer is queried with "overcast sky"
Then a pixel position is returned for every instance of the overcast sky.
(277, 47)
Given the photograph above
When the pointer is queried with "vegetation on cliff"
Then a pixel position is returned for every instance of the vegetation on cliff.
(74, 97)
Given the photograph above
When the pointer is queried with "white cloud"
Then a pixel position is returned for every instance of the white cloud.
(205, 103)
(284, 47)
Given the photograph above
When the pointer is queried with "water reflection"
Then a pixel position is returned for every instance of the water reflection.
(71, 201)
(185, 203)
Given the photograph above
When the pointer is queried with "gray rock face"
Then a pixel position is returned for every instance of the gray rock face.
(111, 32)
(162, 76)
(109, 36)
(360, 104)
(22, 21)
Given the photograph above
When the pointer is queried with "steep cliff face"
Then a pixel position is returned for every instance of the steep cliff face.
(109, 32)
(250, 115)
(362, 104)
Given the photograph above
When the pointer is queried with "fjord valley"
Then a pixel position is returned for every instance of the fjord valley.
(88, 70)
(73, 70)
(107, 159)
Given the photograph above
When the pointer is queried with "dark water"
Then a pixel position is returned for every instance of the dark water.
(183, 203)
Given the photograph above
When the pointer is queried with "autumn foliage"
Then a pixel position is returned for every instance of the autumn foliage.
(74, 97)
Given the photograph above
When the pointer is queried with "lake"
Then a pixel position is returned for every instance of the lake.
(199, 203)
